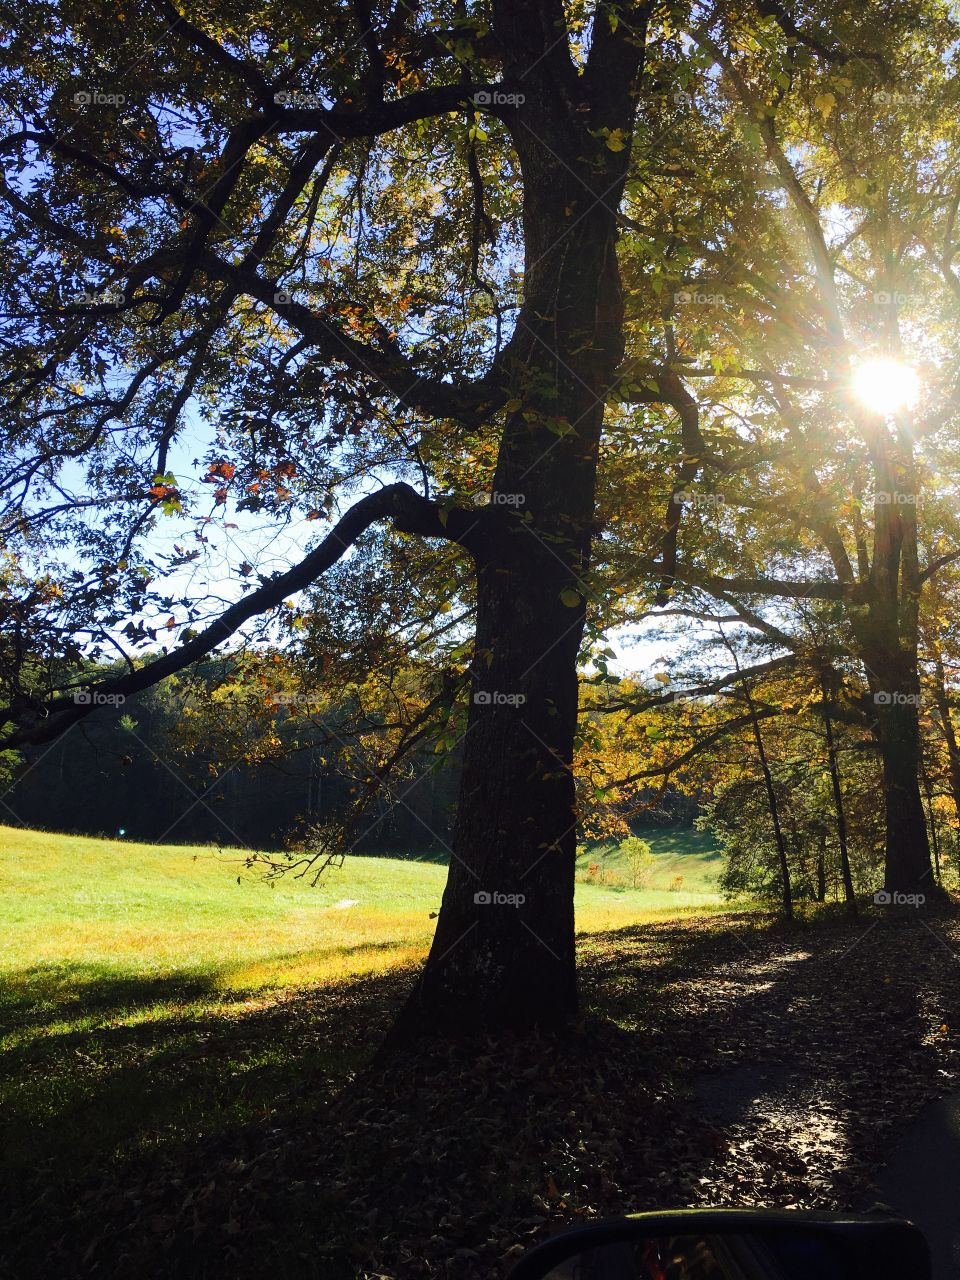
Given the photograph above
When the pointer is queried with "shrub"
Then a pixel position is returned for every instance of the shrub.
(640, 860)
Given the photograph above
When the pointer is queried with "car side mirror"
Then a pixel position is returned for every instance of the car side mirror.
(733, 1244)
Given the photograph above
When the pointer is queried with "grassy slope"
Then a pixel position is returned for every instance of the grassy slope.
(73, 905)
(135, 981)
(680, 852)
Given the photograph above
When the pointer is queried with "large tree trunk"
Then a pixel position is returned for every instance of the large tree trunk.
(908, 867)
(503, 953)
(892, 664)
(895, 684)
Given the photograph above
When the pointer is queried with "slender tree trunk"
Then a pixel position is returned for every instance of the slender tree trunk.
(931, 817)
(785, 889)
(945, 712)
(841, 819)
(822, 869)
(786, 892)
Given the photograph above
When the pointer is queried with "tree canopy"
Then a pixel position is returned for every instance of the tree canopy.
(452, 339)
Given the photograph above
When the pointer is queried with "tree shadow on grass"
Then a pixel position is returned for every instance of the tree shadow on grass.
(66, 992)
(96, 1067)
(247, 1137)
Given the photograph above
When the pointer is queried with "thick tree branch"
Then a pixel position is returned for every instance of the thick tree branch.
(705, 690)
(467, 403)
(775, 588)
(204, 43)
(40, 721)
(941, 562)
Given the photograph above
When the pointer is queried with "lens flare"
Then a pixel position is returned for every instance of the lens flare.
(885, 385)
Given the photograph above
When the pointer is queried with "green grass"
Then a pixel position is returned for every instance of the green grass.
(146, 996)
(679, 852)
(73, 907)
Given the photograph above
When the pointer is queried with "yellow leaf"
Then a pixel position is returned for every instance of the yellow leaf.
(824, 103)
(616, 140)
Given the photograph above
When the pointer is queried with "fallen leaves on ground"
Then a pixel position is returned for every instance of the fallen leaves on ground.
(719, 1061)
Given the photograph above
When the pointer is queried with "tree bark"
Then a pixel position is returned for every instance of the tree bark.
(891, 657)
(908, 866)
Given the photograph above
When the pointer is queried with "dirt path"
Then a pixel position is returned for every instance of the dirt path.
(837, 1049)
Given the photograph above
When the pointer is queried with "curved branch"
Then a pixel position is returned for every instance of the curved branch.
(731, 726)
(39, 721)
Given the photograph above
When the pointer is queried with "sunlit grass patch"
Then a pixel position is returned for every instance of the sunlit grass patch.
(148, 997)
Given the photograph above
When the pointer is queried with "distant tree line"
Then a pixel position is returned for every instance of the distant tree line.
(263, 767)
(132, 771)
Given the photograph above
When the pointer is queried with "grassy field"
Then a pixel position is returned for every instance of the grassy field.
(145, 991)
(74, 909)
(694, 855)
